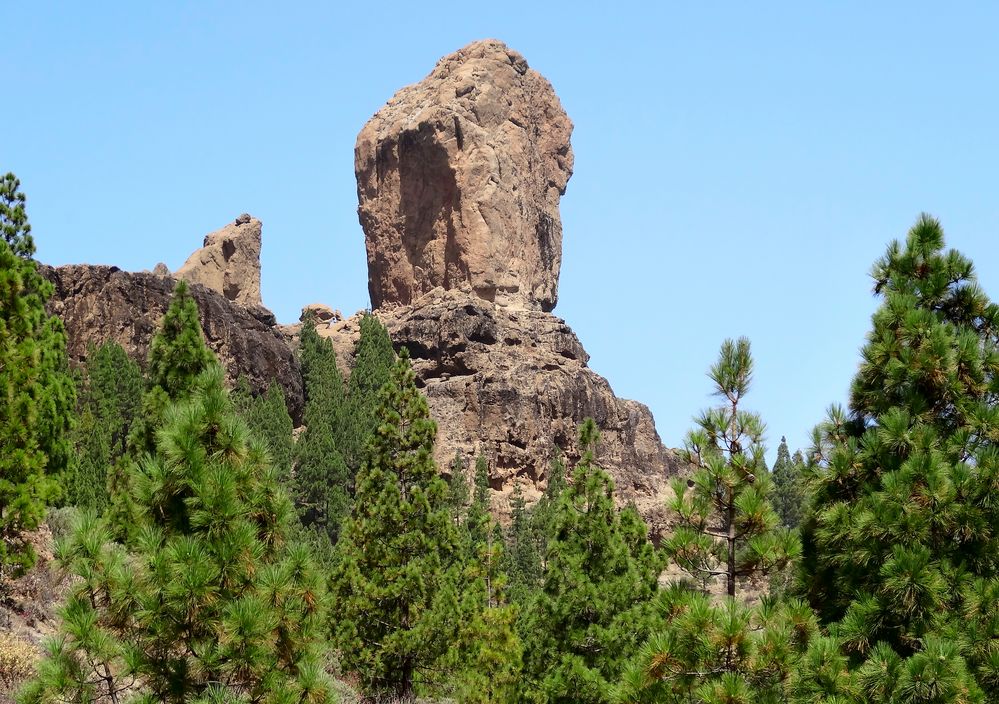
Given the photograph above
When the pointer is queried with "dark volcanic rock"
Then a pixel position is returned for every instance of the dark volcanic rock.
(99, 303)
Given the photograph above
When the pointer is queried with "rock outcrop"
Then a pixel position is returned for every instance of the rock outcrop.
(459, 178)
(514, 385)
(99, 303)
(229, 262)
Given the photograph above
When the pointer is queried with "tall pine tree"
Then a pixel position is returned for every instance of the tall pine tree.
(178, 355)
(595, 605)
(205, 601)
(323, 480)
(36, 391)
(396, 602)
(110, 398)
(727, 527)
(373, 361)
(267, 417)
(787, 494)
(723, 652)
(901, 551)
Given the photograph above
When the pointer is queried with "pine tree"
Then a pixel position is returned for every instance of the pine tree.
(396, 602)
(594, 608)
(110, 398)
(487, 654)
(373, 361)
(522, 557)
(36, 391)
(177, 357)
(714, 651)
(725, 652)
(726, 525)
(479, 522)
(205, 601)
(787, 494)
(900, 540)
(14, 226)
(267, 417)
(544, 514)
(458, 495)
(323, 481)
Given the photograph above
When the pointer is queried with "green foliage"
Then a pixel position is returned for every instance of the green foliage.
(488, 652)
(522, 559)
(726, 524)
(267, 417)
(323, 480)
(718, 653)
(110, 398)
(458, 495)
(900, 541)
(373, 361)
(397, 606)
(36, 391)
(178, 355)
(205, 600)
(14, 226)
(723, 652)
(479, 522)
(486, 656)
(595, 605)
(787, 493)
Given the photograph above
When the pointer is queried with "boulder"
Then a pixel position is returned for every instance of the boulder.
(321, 312)
(459, 179)
(229, 262)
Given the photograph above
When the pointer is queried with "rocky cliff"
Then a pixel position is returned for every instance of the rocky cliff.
(459, 179)
(99, 303)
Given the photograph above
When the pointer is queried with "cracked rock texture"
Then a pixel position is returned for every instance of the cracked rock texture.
(100, 303)
(514, 385)
(458, 180)
(229, 262)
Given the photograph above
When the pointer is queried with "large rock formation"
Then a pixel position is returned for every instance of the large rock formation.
(229, 262)
(458, 180)
(99, 303)
(514, 385)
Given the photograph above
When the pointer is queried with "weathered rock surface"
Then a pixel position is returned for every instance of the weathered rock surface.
(321, 313)
(99, 303)
(514, 385)
(459, 178)
(229, 262)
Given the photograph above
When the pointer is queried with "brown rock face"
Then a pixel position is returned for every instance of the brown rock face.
(99, 303)
(514, 385)
(229, 262)
(458, 180)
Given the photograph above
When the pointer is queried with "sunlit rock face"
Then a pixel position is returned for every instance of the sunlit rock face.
(459, 179)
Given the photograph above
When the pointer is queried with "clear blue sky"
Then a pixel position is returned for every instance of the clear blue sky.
(739, 166)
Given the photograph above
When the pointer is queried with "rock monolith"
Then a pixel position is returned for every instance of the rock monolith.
(459, 179)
